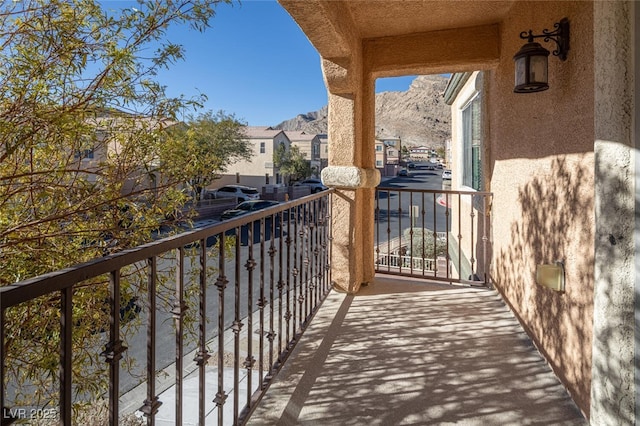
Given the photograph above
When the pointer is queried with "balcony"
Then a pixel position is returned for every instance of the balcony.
(212, 329)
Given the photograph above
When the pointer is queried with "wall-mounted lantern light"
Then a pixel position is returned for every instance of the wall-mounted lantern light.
(532, 59)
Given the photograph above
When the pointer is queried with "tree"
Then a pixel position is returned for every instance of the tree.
(198, 151)
(292, 163)
(82, 125)
(422, 243)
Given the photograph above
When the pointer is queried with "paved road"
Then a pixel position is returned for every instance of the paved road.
(395, 208)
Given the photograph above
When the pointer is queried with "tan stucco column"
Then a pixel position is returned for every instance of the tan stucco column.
(351, 172)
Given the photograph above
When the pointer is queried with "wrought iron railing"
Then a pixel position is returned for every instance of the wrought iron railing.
(235, 296)
(437, 234)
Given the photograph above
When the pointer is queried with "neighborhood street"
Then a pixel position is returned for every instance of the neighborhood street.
(397, 210)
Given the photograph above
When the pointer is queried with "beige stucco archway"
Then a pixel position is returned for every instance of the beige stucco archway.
(357, 46)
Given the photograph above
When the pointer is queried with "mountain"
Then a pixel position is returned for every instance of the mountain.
(419, 116)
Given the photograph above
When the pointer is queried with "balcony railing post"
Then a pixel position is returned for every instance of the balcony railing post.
(202, 355)
(151, 404)
(114, 349)
(250, 266)
(66, 355)
(272, 253)
(280, 280)
(261, 305)
(221, 284)
(178, 317)
(4, 410)
(237, 328)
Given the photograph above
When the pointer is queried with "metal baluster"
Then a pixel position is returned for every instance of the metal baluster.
(377, 219)
(388, 254)
(4, 410)
(202, 355)
(305, 247)
(447, 219)
(237, 327)
(473, 251)
(114, 349)
(272, 252)
(411, 219)
(221, 284)
(330, 219)
(323, 246)
(314, 267)
(261, 304)
(435, 237)
(400, 254)
(485, 239)
(295, 272)
(280, 280)
(288, 314)
(250, 360)
(300, 240)
(424, 251)
(178, 314)
(66, 355)
(151, 404)
(459, 235)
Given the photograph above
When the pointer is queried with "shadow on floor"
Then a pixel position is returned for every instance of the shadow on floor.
(401, 352)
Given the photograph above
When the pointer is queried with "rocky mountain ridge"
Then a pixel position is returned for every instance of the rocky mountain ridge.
(419, 116)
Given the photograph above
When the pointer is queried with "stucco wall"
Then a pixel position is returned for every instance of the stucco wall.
(541, 172)
(613, 391)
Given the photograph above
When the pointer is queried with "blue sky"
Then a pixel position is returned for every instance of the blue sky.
(254, 62)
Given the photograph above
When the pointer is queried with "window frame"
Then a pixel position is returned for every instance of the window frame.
(471, 142)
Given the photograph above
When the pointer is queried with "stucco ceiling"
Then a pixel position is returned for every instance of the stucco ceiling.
(383, 18)
(333, 25)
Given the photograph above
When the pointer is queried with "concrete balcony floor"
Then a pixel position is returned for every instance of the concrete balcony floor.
(404, 352)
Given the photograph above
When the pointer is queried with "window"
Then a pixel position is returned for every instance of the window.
(378, 163)
(472, 144)
(85, 153)
(262, 148)
(379, 148)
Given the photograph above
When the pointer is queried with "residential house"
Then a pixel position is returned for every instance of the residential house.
(260, 170)
(561, 163)
(324, 150)
(393, 147)
(381, 156)
(110, 126)
(422, 152)
(309, 146)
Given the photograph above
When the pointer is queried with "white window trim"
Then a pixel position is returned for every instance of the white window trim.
(467, 95)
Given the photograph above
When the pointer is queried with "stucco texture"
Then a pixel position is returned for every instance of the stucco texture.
(541, 172)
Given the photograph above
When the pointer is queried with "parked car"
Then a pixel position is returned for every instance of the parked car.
(240, 192)
(411, 165)
(315, 184)
(446, 175)
(248, 207)
(403, 172)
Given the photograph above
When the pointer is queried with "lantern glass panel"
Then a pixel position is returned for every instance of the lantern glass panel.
(538, 69)
(521, 70)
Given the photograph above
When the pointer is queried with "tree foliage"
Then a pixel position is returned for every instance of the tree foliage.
(199, 151)
(83, 129)
(421, 242)
(292, 163)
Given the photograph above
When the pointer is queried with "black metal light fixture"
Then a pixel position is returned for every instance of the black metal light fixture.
(532, 59)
